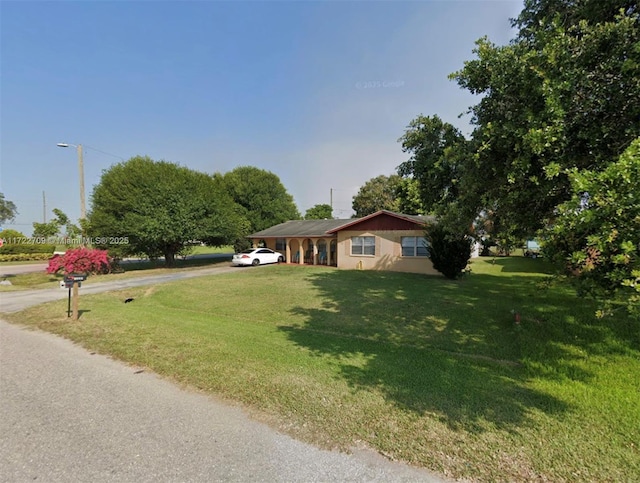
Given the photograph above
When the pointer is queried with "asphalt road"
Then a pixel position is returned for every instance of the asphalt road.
(69, 415)
(24, 268)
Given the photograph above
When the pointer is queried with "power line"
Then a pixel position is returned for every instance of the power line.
(104, 152)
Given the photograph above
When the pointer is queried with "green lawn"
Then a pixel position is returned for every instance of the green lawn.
(27, 281)
(422, 369)
(198, 250)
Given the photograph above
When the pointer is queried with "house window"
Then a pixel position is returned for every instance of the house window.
(322, 253)
(363, 245)
(281, 244)
(414, 246)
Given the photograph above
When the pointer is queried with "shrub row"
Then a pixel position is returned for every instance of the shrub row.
(24, 257)
(18, 248)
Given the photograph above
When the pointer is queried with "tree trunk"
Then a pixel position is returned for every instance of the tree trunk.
(169, 258)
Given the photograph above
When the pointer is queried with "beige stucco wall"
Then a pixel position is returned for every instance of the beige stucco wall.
(388, 253)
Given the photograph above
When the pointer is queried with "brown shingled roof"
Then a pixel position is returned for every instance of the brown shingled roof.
(318, 228)
(301, 228)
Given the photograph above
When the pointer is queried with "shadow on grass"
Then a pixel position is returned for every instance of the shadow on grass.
(453, 348)
(522, 265)
(192, 262)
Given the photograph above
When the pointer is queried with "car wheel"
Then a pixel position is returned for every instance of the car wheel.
(255, 262)
(280, 259)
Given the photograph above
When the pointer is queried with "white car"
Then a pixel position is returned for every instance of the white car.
(257, 256)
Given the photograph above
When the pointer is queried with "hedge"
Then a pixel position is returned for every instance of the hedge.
(23, 248)
(24, 257)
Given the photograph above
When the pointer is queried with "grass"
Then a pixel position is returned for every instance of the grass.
(429, 371)
(180, 263)
(199, 250)
(26, 281)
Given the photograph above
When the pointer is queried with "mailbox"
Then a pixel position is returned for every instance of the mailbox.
(73, 281)
(75, 277)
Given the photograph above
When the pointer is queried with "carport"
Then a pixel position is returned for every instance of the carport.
(305, 242)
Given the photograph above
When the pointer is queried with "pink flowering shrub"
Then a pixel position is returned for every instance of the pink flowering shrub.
(80, 260)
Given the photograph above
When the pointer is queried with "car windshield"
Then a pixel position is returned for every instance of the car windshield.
(250, 250)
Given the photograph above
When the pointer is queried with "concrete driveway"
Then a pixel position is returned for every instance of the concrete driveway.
(70, 415)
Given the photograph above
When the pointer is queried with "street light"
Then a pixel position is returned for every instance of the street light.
(83, 209)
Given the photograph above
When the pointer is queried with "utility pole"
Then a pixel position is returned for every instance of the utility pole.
(44, 208)
(83, 209)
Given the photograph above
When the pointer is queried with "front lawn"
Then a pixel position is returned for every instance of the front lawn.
(433, 372)
(205, 250)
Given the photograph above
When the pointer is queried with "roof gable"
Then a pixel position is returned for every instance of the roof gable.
(385, 220)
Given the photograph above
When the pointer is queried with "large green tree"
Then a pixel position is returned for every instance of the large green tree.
(319, 212)
(263, 197)
(379, 193)
(8, 210)
(408, 196)
(437, 154)
(393, 193)
(157, 207)
(595, 236)
(436, 168)
(563, 95)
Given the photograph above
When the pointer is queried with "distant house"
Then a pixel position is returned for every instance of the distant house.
(381, 241)
(532, 249)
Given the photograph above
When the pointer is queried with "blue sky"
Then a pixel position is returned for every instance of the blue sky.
(316, 92)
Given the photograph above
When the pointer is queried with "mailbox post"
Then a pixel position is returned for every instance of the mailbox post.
(73, 282)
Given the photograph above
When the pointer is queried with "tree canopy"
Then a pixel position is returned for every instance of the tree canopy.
(53, 227)
(559, 106)
(564, 94)
(379, 193)
(8, 210)
(156, 208)
(408, 196)
(319, 212)
(437, 151)
(595, 236)
(261, 194)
